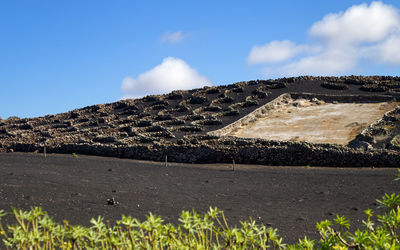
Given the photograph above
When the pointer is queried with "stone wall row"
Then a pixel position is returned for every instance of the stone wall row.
(272, 153)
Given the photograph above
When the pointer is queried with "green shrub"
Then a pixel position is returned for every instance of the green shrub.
(13, 118)
(36, 230)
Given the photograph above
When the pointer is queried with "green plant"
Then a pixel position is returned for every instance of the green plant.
(36, 230)
(397, 175)
(389, 127)
(13, 118)
(395, 141)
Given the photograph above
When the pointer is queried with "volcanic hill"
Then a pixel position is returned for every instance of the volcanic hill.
(196, 126)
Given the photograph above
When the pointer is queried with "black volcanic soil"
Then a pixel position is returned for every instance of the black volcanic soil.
(291, 199)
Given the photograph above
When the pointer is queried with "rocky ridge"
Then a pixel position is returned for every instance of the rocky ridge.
(176, 125)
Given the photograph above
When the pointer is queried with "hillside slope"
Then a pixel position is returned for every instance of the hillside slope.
(176, 125)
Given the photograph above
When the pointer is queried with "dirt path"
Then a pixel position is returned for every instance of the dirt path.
(291, 199)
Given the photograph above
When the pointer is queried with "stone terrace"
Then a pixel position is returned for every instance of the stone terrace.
(176, 124)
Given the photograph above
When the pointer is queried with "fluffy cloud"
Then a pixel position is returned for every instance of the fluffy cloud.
(387, 51)
(329, 62)
(341, 40)
(171, 74)
(174, 37)
(358, 24)
(275, 51)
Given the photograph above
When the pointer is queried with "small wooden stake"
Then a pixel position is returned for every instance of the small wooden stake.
(166, 161)
(44, 150)
(233, 165)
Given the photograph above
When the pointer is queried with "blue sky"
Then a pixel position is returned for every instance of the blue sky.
(61, 55)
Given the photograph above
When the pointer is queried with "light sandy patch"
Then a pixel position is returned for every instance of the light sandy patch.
(314, 121)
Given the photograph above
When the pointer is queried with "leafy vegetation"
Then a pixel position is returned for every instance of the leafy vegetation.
(13, 118)
(36, 230)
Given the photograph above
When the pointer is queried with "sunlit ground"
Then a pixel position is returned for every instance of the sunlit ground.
(324, 123)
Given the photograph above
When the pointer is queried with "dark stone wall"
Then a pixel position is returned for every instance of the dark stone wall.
(245, 151)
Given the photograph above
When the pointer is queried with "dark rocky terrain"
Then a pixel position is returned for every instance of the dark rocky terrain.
(384, 133)
(176, 125)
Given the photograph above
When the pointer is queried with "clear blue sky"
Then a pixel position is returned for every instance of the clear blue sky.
(60, 55)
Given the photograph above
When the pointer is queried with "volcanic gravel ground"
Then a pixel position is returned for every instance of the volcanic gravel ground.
(291, 199)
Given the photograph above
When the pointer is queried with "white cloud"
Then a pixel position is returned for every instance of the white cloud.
(387, 51)
(171, 74)
(329, 62)
(275, 51)
(358, 24)
(341, 40)
(174, 37)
